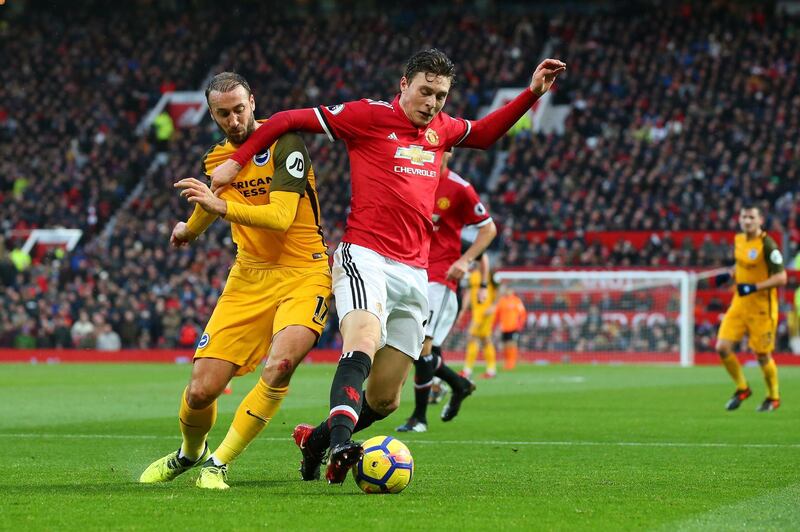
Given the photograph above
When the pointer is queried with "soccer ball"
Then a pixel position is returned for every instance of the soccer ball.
(386, 467)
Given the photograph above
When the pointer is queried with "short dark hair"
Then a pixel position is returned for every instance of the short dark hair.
(226, 82)
(430, 61)
(747, 205)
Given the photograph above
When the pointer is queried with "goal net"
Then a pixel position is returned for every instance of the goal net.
(602, 316)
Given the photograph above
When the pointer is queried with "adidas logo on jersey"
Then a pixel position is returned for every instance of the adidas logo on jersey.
(393, 136)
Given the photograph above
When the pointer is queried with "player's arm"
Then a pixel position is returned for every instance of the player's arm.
(489, 279)
(523, 315)
(486, 233)
(262, 138)
(466, 304)
(198, 222)
(483, 133)
(185, 232)
(777, 273)
(288, 184)
(483, 269)
(337, 121)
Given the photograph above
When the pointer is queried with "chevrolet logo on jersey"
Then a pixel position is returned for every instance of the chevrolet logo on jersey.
(415, 154)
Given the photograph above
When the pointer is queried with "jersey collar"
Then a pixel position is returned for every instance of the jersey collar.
(399, 110)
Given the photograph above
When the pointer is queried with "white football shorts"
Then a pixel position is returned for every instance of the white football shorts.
(442, 311)
(394, 292)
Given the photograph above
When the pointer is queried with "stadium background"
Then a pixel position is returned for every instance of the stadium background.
(669, 116)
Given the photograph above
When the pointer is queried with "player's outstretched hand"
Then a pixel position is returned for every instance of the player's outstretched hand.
(545, 74)
(197, 192)
(224, 174)
(457, 269)
(180, 235)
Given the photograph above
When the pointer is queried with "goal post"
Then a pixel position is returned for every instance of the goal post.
(615, 316)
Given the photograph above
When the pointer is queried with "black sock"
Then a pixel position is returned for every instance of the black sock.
(423, 378)
(438, 360)
(368, 415)
(345, 399)
(444, 372)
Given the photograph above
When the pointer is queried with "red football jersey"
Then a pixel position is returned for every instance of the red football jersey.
(394, 169)
(457, 205)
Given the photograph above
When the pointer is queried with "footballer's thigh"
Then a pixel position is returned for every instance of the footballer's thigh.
(731, 330)
(240, 328)
(385, 383)
(359, 286)
(361, 331)
(761, 330)
(300, 318)
(288, 349)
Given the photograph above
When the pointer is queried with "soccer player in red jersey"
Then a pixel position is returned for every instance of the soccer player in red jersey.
(379, 276)
(457, 205)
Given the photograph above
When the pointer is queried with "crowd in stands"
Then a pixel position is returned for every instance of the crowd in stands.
(72, 97)
(678, 115)
(670, 127)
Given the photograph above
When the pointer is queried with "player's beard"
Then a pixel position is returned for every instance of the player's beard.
(241, 136)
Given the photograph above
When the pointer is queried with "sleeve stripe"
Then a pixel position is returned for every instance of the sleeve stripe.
(484, 222)
(324, 124)
(466, 133)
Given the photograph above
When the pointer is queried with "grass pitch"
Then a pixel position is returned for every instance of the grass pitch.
(543, 448)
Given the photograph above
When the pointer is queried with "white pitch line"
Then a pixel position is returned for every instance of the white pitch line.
(24, 435)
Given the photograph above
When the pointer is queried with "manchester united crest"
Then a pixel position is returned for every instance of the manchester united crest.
(443, 203)
(432, 137)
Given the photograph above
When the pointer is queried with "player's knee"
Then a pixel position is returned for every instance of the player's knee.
(278, 371)
(385, 405)
(365, 343)
(279, 366)
(763, 358)
(199, 397)
(723, 350)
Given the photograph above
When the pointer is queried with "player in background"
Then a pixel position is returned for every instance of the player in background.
(510, 314)
(481, 322)
(275, 300)
(457, 205)
(379, 279)
(758, 273)
(438, 391)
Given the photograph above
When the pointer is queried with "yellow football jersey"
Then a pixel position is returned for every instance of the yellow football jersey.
(756, 260)
(479, 309)
(281, 167)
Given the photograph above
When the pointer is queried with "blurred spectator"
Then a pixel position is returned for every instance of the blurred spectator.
(25, 338)
(83, 332)
(129, 330)
(163, 129)
(188, 335)
(20, 258)
(108, 339)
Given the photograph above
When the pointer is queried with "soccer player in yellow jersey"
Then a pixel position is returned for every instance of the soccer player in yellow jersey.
(754, 309)
(275, 301)
(481, 301)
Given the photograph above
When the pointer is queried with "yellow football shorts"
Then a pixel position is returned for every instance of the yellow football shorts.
(481, 325)
(256, 304)
(759, 324)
